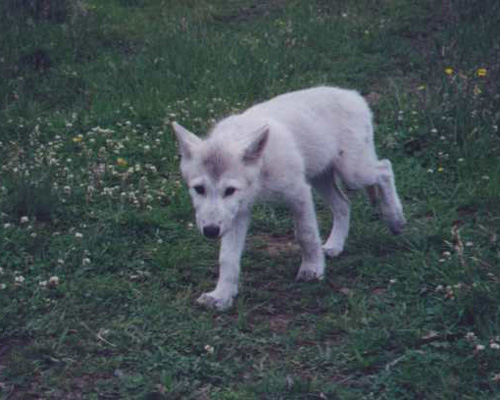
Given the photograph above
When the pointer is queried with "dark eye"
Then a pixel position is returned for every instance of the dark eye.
(229, 191)
(200, 189)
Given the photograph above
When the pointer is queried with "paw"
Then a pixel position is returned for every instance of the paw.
(308, 273)
(211, 300)
(396, 225)
(332, 250)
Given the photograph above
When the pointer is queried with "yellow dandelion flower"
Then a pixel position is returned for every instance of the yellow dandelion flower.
(440, 169)
(448, 71)
(121, 162)
(481, 72)
(77, 139)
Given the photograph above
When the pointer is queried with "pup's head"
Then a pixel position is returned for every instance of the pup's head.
(222, 176)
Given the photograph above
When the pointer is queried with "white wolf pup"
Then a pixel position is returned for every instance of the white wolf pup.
(279, 149)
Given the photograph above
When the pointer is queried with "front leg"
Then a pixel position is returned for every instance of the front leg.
(232, 245)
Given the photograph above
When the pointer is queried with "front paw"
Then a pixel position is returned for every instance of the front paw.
(217, 302)
(310, 273)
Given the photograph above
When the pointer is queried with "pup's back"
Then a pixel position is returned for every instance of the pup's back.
(319, 123)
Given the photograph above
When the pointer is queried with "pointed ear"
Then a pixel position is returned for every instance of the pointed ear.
(187, 140)
(257, 145)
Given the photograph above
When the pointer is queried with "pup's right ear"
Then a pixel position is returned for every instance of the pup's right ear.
(187, 140)
(257, 145)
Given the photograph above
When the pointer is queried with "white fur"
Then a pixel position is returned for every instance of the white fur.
(280, 148)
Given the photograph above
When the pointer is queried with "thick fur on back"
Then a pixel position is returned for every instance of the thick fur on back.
(319, 127)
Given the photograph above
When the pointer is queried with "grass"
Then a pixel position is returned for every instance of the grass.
(100, 263)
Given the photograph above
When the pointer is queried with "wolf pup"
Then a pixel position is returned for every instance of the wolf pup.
(279, 149)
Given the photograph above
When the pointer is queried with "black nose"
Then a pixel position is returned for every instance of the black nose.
(211, 231)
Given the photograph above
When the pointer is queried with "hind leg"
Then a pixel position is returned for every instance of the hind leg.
(373, 194)
(328, 187)
(390, 205)
(378, 178)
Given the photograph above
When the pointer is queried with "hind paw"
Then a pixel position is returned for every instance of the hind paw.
(396, 226)
(332, 251)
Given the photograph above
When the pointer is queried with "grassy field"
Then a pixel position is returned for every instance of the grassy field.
(100, 264)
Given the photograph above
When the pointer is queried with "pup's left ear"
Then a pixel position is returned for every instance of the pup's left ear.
(257, 145)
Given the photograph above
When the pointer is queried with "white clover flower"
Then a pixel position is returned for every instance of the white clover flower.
(470, 336)
(494, 346)
(42, 283)
(19, 279)
(79, 235)
(3, 286)
(24, 220)
(479, 347)
(53, 281)
(86, 261)
(209, 349)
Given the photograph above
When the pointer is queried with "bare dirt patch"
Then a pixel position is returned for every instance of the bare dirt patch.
(275, 245)
(260, 8)
(279, 323)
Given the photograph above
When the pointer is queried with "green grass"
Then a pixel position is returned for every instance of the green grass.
(101, 265)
